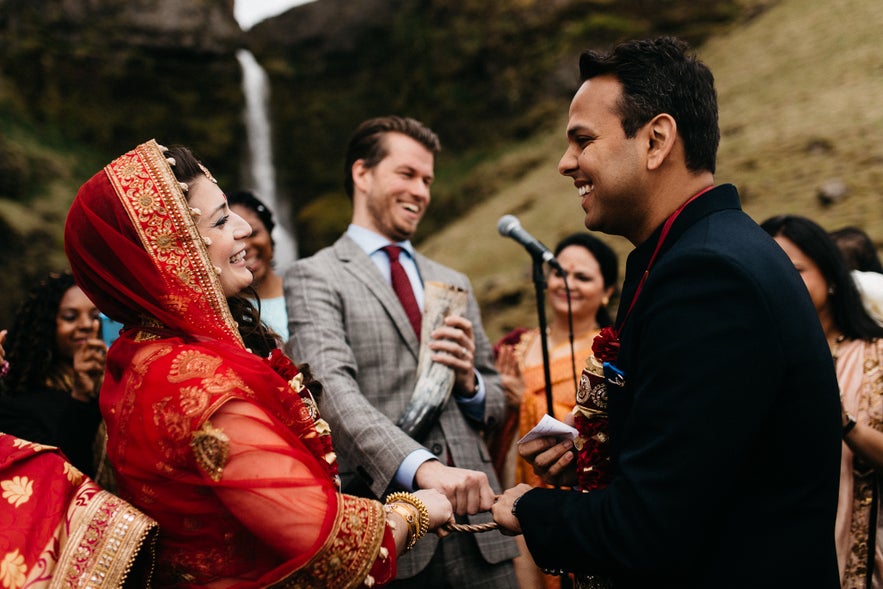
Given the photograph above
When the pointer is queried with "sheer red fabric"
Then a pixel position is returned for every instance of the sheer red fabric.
(207, 438)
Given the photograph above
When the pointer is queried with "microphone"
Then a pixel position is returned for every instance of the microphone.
(509, 226)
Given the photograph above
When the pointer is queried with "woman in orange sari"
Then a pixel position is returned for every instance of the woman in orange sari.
(212, 431)
(591, 271)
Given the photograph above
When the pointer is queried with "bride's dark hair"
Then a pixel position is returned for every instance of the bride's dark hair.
(256, 335)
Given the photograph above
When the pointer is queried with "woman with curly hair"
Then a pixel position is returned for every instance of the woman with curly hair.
(55, 370)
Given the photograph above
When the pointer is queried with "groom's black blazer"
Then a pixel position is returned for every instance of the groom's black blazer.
(726, 433)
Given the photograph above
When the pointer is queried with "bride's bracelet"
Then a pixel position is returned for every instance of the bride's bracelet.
(413, 511)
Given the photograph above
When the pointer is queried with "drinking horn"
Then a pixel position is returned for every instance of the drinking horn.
(434, 381)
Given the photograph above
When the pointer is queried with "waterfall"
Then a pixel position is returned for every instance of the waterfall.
(261, 173)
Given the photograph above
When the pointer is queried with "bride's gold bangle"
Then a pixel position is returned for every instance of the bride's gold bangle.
(414, 513)
(412, 520)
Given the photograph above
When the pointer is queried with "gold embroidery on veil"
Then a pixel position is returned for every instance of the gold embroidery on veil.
(158, 209)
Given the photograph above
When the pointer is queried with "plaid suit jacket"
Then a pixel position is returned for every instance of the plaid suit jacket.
(347, 323)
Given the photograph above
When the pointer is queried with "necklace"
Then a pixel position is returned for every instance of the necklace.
(835, 347)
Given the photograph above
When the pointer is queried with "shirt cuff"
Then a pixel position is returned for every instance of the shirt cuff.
(404, 476)
(473, 406)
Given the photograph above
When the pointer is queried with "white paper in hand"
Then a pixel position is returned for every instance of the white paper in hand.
(549, 426)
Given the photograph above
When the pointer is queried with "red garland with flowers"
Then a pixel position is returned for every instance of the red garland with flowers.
(605, 346)
(315, 432)
(594, 468)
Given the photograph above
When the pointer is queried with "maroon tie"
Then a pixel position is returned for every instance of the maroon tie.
(402, 287)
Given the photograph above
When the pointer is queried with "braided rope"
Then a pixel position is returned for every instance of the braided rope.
(471, 528)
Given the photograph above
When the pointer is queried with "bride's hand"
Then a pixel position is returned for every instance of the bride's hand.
(440, 510)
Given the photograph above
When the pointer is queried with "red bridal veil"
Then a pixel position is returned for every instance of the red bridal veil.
(213, 442)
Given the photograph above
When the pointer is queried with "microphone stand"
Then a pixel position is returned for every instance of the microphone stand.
(539, 281)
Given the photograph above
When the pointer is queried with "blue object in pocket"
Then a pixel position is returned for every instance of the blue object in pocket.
(110, 329)
(614, 375)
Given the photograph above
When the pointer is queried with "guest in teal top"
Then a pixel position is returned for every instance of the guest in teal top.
(259, 258)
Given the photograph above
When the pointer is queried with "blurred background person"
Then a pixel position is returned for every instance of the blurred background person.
(55, 370)
(259, 257)
(857, 348)
(858, 249)
(591, 270)
(861, 258)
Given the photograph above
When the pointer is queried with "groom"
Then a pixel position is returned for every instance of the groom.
(723, 404)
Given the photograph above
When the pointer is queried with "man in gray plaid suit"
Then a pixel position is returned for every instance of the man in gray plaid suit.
(348, 323)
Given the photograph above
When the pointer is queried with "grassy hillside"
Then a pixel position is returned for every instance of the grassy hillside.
(801, 101)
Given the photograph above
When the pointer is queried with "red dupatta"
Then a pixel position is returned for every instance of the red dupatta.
(136, 252)
(213, 442)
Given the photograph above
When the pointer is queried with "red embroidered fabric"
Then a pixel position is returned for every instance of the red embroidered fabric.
(206, 437)
(59, 528)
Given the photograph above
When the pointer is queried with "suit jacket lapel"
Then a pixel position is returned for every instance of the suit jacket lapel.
(362, 268)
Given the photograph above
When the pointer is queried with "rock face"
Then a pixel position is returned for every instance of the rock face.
(326, 26)
(115, 73)
(206, 26)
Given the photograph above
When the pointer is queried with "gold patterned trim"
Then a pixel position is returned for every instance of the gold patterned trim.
(350, 551)
(211, 448)
(107, 535)
(521, 346)
(155, 203)
(865, 480)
